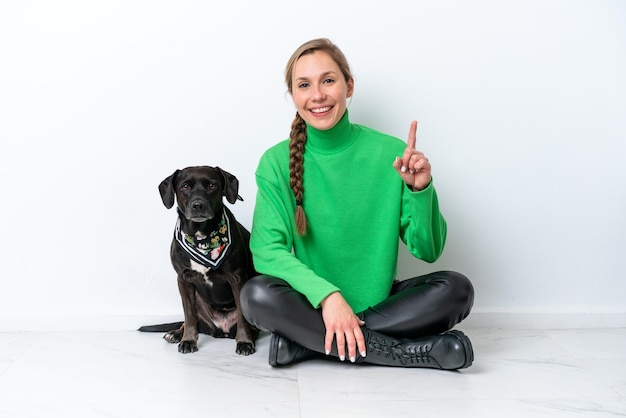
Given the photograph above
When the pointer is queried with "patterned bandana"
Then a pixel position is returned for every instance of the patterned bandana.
(209, 251)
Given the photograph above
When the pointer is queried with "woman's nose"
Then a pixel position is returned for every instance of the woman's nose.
(318, 93)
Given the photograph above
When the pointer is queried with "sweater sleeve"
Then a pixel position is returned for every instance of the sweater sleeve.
(422, 226)
(272, 241)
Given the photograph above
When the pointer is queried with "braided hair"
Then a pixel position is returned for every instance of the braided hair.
(298, 133)
(296, 169)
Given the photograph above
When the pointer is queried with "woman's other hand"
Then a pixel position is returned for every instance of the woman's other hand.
(344, 326)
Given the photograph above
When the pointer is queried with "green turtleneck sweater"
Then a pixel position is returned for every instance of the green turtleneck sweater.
(357, 208)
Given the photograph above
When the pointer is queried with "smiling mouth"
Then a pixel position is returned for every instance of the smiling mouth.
(321, 109)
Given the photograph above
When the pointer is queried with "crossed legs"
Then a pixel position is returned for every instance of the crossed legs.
(417, 309)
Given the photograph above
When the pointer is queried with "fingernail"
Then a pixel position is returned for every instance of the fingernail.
(411, 171)
(342, 358)
(327, 352)
(363, 354)
(352, 359)
(403, 169)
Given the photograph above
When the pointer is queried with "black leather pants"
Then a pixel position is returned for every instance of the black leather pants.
(421, 306)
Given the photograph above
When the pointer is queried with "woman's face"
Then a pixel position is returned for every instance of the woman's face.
(319, 90)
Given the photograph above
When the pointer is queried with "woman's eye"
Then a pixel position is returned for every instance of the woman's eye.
(303, 85)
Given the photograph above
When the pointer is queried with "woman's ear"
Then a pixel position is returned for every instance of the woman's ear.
(350, 88)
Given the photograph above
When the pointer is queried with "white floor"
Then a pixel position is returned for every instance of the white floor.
(516, 373)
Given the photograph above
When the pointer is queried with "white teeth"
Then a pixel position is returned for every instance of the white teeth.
(321, 110)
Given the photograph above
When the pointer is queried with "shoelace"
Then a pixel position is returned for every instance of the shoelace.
(396, 350)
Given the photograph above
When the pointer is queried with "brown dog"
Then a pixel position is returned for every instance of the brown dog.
(211, 255)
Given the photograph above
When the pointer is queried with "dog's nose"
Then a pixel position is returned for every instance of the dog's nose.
(197, 205)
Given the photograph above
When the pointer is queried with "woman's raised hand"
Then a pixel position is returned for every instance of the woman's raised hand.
(413, 167)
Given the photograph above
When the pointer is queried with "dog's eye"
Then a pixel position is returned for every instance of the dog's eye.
(212, 186)
(184, 187)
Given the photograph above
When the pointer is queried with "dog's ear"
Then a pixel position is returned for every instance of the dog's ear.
(231, 186)
(166, 189)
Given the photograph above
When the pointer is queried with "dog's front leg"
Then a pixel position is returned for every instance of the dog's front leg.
(189, 341)
(246, 333)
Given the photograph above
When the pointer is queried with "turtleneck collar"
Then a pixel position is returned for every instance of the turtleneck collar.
(333, 140)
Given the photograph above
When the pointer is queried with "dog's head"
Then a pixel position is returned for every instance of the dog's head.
(198, 191)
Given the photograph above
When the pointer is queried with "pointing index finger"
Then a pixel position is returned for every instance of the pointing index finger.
(412, 135)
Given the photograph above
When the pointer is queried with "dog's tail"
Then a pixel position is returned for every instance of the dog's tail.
(161, 327)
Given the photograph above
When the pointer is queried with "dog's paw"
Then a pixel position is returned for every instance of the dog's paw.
(173, 337)
(187, 347)
(245, 348)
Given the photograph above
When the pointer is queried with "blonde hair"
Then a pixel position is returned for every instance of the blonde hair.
(298, 135)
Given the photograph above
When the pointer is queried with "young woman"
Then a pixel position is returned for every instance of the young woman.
(332, 203)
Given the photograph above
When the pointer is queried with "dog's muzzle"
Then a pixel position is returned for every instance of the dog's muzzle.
(199, 211)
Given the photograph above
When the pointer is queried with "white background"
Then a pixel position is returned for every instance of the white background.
(522, 110)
